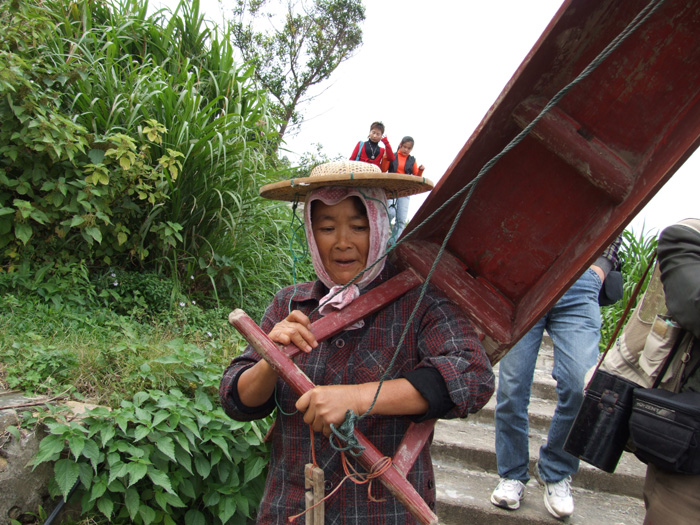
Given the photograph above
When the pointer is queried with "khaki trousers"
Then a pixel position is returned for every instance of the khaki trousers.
(671, 499)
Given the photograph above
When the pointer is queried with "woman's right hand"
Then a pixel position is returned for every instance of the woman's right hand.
(295, 329)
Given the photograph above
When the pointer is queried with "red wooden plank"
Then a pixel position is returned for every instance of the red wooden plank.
(567, 139)
(392, 478)
(552, 203)
(490, 312)
(412, 443)
(367, 304)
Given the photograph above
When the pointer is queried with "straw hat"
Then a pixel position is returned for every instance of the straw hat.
(348, 173)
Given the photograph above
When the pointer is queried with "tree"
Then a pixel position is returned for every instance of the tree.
(315, 38)
(134, 141)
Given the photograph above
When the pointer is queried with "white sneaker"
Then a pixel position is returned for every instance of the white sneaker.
(508, 494)
(558, 499)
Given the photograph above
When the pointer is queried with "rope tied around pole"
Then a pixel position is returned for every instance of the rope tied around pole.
(352, 474)
(346, 432)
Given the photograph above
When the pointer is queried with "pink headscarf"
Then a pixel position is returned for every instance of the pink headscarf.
(374, 200)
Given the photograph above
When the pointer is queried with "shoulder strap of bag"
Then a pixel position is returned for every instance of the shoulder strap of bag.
(669, 358)
(626, 312)
(359, 150)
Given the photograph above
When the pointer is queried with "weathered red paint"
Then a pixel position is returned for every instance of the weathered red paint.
(368, 303)
(551, 205)
(412, 443)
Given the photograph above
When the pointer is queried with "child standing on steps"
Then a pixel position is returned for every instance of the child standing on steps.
(370, 151)
(405, 164)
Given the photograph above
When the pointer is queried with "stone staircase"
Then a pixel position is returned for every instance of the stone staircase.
(465, 470)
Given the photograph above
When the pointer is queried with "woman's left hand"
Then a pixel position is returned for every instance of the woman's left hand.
(324, 405)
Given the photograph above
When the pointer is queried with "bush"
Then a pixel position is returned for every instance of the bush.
(163, 457)
(635, 253)
(135, 141)
(160, 450)
(126, 292)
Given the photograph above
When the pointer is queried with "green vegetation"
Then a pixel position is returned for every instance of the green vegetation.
(132, 146)
(635, 253)
(135, 141)
(159, 449)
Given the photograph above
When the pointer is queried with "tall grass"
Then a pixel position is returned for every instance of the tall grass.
(115, 69)
(635, 253)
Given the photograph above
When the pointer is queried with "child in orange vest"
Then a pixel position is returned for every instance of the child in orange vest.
(405, 164)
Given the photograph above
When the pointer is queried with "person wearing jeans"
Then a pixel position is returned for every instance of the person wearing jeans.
(398, 215)
(573, 324)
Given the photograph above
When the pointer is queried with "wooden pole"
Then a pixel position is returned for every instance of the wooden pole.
(314, 480)
(392, 479)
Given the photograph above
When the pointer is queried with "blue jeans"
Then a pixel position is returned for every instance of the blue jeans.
(398, 209)
(573, 323)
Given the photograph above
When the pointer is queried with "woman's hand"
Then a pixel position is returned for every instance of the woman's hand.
(324, 405)
(294, 329)
(328, 404)
(256, 385)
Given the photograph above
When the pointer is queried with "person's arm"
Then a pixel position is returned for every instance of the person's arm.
(679, 261)
(324, 405)
(608, 260)
(389, 152)
(418, 170)
(354, 152)
(385, 164)
(257, 383)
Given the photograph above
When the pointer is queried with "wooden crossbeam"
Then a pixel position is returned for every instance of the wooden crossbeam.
(569, 141)
(414, 440)
(314, 483)
(367, 304)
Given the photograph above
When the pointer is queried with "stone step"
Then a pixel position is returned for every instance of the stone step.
(460, 444)
(463, 496)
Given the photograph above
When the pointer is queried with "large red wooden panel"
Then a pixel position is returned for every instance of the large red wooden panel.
(555, 201)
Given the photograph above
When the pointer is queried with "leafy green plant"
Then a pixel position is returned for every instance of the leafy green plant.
(163, 457)
(166, 452)
(40, 369)
(58, 281)
(134, 140)
(126, 291)
(635, 253)
(108, 357)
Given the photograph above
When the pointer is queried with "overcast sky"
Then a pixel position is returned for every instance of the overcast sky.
(432, 69)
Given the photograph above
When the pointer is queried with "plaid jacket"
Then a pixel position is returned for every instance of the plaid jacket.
(441, 337)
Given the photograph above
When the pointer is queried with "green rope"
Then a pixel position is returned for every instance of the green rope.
(346, 432)
(296, 227)
(279, 407)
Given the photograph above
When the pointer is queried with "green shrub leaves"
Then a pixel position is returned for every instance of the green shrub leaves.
(160, 458)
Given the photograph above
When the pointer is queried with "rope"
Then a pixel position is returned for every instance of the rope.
(631, 27)
(296, 227)
(358, 478)
(346, 432)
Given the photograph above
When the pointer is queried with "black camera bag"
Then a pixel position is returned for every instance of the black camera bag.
(665, 429)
